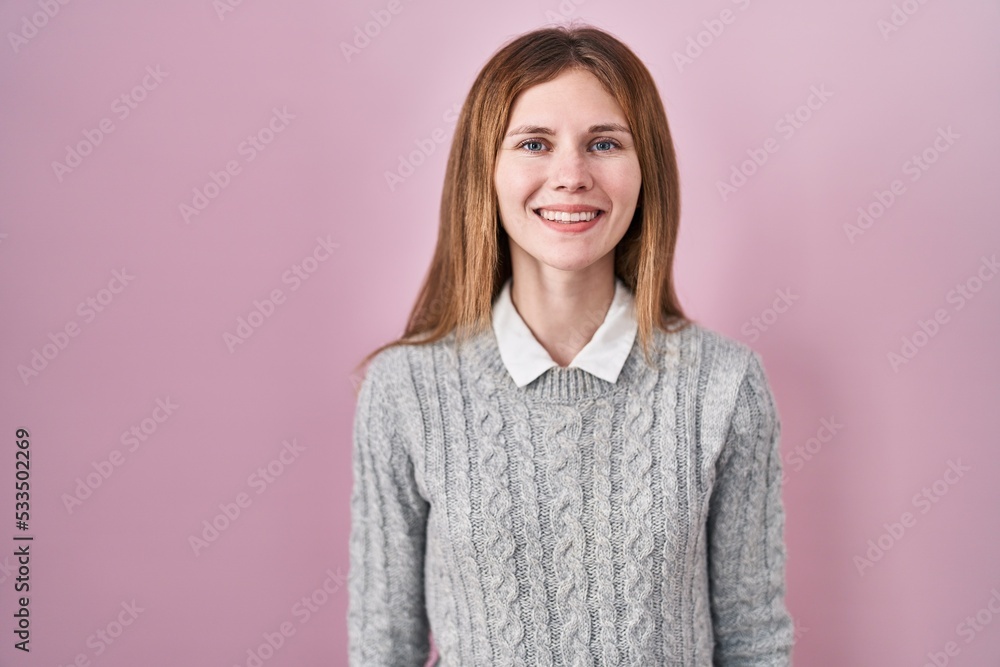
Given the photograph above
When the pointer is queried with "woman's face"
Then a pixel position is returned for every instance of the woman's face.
(567, 153)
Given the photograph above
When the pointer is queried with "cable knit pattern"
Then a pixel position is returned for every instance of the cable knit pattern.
(638, 529)
(532, 576)
(468, 563)
(669, 594)
(606, 647)
(572, 521)
(497, 522)
(563, 431)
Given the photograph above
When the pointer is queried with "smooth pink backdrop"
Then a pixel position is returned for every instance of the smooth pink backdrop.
(776, 243)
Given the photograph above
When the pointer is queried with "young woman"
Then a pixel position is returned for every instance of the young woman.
(554, 466)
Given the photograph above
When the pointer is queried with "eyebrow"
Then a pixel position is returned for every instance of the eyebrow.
(537, 129)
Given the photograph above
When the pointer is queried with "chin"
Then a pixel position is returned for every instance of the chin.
(568, 263)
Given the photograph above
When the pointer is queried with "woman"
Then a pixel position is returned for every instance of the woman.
(554, 466)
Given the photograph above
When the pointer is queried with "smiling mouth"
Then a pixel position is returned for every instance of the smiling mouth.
(567, 218)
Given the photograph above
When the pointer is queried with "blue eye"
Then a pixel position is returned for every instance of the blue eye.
(606, 142)
(527, 144)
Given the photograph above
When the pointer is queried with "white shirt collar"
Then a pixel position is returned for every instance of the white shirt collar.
(603, 356)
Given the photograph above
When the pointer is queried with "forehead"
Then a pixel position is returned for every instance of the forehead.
(575, 96)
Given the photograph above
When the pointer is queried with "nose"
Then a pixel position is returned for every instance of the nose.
(570, 171)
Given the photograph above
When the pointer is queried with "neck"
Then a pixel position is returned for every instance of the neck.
(563, 309)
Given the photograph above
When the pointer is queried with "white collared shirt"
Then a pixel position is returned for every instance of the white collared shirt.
(603, 356)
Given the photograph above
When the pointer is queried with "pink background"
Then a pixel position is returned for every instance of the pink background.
(849, 300)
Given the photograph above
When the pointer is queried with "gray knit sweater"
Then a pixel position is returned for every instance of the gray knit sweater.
(572, 521)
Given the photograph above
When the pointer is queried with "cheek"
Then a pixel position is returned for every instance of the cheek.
(624, 183)
(516, 183)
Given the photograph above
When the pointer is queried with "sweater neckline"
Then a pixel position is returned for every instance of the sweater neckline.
(558, 384)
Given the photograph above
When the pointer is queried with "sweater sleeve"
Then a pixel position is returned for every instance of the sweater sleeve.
(387, 619)
(745, 534)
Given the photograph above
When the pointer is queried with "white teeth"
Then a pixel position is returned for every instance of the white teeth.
(560, 216)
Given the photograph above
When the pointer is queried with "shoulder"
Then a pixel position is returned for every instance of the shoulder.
(388, 400)
(728, 372)
(386, 365)
(713, 356)
(387, 376)
(395, 372)
(747, 380)
(734, 402)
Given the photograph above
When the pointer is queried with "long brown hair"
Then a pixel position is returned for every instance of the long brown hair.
(472, 258)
